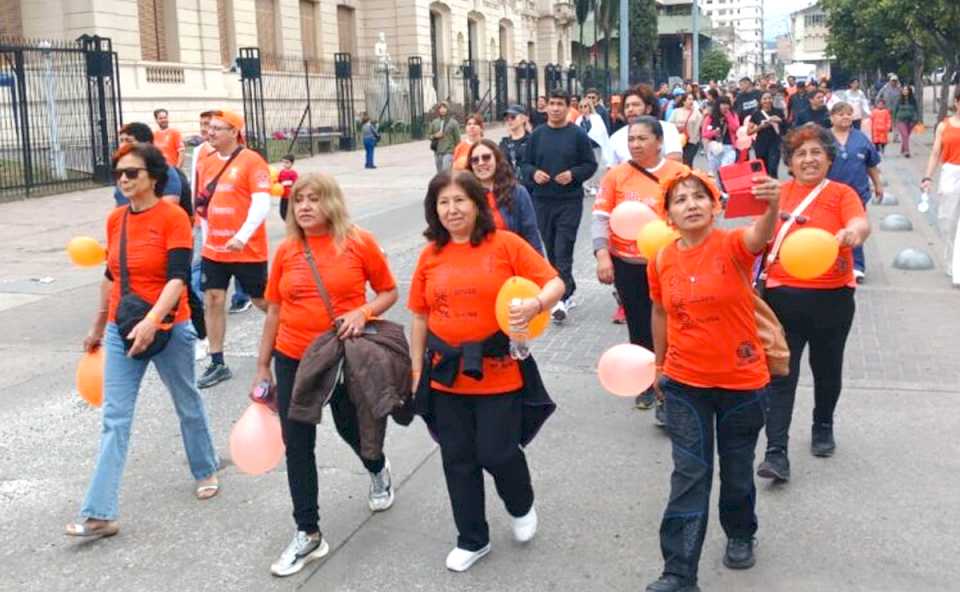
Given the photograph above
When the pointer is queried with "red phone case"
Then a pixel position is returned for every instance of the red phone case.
(738, 181)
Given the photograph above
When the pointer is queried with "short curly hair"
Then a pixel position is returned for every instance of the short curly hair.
(805, 133)
(153, 161)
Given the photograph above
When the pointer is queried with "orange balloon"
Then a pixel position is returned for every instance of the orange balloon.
(276, 190)
(86, 251)
(90, 377)
(519, 287)
(256, 445)
(808, 253)
(653, 237)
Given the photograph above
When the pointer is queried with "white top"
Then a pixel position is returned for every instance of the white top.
(621, 149)
(598, 133)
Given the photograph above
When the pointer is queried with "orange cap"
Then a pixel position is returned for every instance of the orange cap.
(233, 119)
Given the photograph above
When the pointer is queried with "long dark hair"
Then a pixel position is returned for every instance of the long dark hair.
(153, 161)
(716, 116)
(504, 181)
(910, 98)
(478, 195)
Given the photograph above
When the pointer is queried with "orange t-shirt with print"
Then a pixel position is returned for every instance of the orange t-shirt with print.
(345, 272)
(246, 175)
(151, 234)
(456, 288)
(836, 205)
(625, 183)
(495, 210)
(170, 142)
(460, 154)
(712, 339)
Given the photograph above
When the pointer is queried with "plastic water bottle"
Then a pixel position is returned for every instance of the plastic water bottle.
(924, 206)
(519, 350)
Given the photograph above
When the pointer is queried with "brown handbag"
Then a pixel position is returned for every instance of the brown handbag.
(769, 330)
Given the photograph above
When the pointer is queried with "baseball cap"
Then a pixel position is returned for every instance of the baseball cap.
(515, 110)
(231, 118)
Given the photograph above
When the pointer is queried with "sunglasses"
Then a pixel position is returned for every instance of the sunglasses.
(801, 219)
(481, 158)
(510, 117)
(130, 173)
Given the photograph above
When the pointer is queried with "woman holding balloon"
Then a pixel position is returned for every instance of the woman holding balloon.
(812, 295)
(630, 197)
(149, 244)
(711, 371)
(347, 259)
(476, 398)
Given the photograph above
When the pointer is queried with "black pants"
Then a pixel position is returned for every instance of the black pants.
(477, 433)
(689, 153)
(770, 155)
(693, 416)
(196, 312)
(301, 439)
(559, 220)
(630, 279)
(284, 203)
(823, 319)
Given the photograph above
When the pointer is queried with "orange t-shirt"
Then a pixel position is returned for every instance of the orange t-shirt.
(456, 288)
(246, 175)
(880, 125)
(836, 205)
(460, 153)
(170, 142)
(625, 183)
(150, 235)
(303, 315)
(573, 115)
(497, 218)
(950, 143)
(712, 339)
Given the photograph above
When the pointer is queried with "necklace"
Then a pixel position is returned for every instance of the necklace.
(692, 277)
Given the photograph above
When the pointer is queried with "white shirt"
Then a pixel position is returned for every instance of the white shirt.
(621, 149)
(598, 133)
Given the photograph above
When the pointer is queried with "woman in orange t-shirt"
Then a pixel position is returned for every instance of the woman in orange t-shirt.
(474, 396)
(158, 241)
(711, 370)
(817, 311)
(619, 260)
(348, 259)
(473, 133)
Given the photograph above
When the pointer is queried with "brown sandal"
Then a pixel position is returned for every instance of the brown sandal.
(205, 492)
(86, 530)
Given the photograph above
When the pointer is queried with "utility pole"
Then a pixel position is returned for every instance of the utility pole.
(624, 44)
(695, 9)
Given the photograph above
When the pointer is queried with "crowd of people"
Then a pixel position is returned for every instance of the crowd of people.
(494, 211)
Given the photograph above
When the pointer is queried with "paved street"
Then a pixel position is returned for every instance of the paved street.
(881, 515)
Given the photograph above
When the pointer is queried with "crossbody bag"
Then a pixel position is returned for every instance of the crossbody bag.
(202, 201)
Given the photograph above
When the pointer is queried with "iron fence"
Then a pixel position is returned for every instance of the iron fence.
(59, 115)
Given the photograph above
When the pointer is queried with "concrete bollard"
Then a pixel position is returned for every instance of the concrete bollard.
(896, 222)
(889, 200)
(913, 260)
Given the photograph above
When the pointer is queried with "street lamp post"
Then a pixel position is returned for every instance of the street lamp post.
(624, 45)
(696, 41)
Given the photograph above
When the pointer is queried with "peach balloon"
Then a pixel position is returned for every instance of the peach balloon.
(89, 377)
(519, 287)
(629, 218)
(626, 370)
(256, 444)
(808, 253)
(86, 251)
(276, 190)
(654, 237)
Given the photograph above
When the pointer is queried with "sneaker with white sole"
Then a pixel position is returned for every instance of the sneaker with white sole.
(525, 527)
(570, 303)
(559, 312)
(380, 497)
(237, 307)
(201, 350)
(301, 550)
(460, 560)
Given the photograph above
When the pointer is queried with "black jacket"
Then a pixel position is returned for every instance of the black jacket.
(555, 150)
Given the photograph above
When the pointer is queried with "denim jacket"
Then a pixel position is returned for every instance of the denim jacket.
(523, 219)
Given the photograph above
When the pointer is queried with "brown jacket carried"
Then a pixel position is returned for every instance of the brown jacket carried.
(376, 373)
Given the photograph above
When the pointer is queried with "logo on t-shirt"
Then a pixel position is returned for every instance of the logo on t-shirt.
(746, 353)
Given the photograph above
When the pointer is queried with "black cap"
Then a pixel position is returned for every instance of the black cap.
(515, 110)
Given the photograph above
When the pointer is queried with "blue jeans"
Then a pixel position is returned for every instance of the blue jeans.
(121, 385)
(693, 415)
(728, 156)
(368, 145)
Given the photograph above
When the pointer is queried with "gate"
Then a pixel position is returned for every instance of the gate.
(344, 75)
(500, 86)
(59, 115)
(553, 77)
(527, 85)
(417, 111)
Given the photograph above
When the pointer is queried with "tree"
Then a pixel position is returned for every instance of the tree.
(715, 65)
(643, 37)
(582, 8)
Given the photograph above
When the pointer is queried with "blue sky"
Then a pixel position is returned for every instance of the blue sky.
(775, 14)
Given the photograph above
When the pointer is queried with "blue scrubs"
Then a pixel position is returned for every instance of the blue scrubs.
(850, 167)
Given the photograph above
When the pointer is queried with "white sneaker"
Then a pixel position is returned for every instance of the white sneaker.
(380, 497)
(461, 560)
(301, 550)
(525, 527)
(570, 303)
(201, 349)
(559, 312)
(858, 276)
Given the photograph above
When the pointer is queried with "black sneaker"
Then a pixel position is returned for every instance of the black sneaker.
(645, 400)
(821, 440)
(672, 583)
(739, 554)
(214, 374)
(775, 465)
(660, 415)
(240, 306)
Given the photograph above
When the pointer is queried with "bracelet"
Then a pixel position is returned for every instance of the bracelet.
(659, 367)
(367, 312)
(925, 179)
(152, 317)
(539, 304)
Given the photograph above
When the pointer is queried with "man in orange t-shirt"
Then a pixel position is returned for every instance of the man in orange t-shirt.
(236, 241)
(167, 139)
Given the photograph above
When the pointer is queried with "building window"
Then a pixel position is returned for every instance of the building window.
(11, 21)
(267, 26)
(228, 37)
(158, 25)
(531, 51)
(347, 29)
(308, 29)
(814, 20)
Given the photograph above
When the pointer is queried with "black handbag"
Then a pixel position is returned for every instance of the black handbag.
(132, 308)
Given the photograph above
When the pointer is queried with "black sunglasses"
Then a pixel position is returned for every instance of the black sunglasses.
(482, 157)
(130, 173)
(801, 219)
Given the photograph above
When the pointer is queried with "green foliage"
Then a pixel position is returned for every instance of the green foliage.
(643, 32)
(715, 65)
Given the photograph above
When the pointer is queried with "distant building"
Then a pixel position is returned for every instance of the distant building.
(809, 34)
(744, 46)
(675, 38)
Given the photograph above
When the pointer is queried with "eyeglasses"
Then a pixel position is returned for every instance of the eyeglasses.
(130, 173)
(801, 219)
(218, 128)
(481, 157)
(510, 117)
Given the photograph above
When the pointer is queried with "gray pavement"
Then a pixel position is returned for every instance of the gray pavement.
(880, 515)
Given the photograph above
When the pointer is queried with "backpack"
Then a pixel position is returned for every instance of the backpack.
(186, 196)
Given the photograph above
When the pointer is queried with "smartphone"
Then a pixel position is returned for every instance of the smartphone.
(737, 179)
